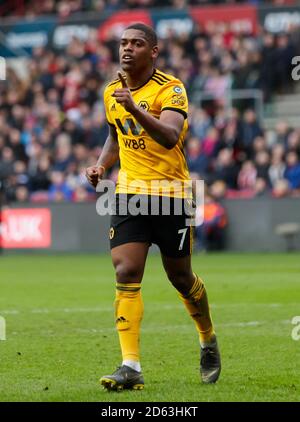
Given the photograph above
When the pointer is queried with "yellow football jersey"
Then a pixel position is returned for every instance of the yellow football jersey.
(146, 166)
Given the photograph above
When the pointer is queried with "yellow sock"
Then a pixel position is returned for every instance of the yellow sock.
(129, 310)
(196, 303)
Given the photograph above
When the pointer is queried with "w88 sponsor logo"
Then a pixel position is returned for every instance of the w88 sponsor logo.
(134, 144)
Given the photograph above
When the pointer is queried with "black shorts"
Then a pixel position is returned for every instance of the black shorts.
(172, 233)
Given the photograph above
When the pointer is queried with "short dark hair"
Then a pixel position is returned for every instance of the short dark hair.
(149, 32)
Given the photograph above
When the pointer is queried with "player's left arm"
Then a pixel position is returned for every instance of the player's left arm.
(165, 130)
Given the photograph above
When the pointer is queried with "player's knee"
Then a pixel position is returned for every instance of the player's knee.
(181, 280)
(128, 273)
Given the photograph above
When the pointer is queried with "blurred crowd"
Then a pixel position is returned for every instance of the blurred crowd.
(65, 8)
(52, 119)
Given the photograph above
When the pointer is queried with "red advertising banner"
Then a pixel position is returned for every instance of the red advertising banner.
(25, 228)
(117, 22)
(241, 19)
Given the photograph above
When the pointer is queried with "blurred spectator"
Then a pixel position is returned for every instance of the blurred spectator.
(230, 136)
(199, 122)
(293, 141)
(65, 8)
(80, 194)
(6, 163)
(197, 161)
(22, 194)
(261, 187)
(282, 131)
(52, 118)
(262, 163)
(292, 171)
(216, 85)
(210, 142)
(268, 64)
(259, 144)
(63, 155)
(210, 232)
(226, 169)
(281, 188)
(250, 129)
(40, 177)
(20, 171)
(285, 51)
(247, 176)
(218, 190)
(276, 170)
(59, 190)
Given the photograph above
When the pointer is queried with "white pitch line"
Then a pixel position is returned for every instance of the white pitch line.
(9, 312)
(69, 310)
(148, 328)
(145, 329)
(156, 328)
(164, 307)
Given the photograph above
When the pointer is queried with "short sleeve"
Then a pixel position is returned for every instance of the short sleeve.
(107, 105)
(174, 97)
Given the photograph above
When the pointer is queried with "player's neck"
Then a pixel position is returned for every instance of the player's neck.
(135, 80)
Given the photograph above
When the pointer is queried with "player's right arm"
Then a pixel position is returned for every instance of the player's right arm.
(108, 157)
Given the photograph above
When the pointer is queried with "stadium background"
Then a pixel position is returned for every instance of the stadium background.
(236, 62)
(235, 59)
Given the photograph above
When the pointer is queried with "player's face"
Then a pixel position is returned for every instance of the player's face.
(135, 51)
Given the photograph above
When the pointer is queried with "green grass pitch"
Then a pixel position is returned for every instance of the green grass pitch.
(61, 337)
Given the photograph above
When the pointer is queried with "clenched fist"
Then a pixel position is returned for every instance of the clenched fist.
(94, 174)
